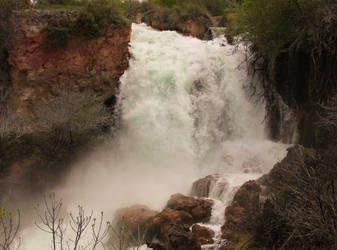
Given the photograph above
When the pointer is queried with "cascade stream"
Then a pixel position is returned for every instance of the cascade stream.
(184, 115)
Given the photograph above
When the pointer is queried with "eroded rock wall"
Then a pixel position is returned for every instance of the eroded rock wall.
(37, 69)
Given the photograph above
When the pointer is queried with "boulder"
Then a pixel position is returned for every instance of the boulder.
(170, 229)
(199, 209)
(134, 222)
(202, 187)
(209, 186)
(202, 235)
(243, 212)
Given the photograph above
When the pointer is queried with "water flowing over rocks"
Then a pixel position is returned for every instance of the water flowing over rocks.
(210, 186)
(243, 211)
(172, 135)
(202, 187)
(170, 229)
(254, 197)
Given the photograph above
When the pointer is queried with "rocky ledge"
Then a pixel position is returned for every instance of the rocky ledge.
(37, 69)
(173, 228)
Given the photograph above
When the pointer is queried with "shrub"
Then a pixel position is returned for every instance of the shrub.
(98, 15)
(192, 12)
(71, 118)
(41, 3)
(60, 33)
(94, 19)
(268, 25)
(283, 35)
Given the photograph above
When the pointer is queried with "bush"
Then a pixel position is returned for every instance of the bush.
(283, 35)
(173, 17)
(94, 19)
(214, 7)
(98, 15)
(268, 25)
(72, 118)
(41, 3)
(192, 12)
(60, 33)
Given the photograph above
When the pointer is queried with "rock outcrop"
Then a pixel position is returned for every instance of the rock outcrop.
(243, 212)
(210, 186)
(171, 228)
(37, 69)
(188, 28)
(202, 235)
(251, 206)
(133, 222)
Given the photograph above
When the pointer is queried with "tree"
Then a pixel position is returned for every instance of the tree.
(9, 228)
(51, 221)
(72, 118)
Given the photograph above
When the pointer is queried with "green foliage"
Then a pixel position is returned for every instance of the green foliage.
(94, 19)
(60, 33)
(44, 3)
(178, 14)
(98, 15)
(283, 35)
(214, 7)
(166, 3)
(268, 24)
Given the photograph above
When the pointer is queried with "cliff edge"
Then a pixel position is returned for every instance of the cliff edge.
(37, 68)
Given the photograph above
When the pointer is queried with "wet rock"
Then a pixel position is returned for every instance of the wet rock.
(297, 156)
(170, 229)
(210, 186)
(181, 238)
(202, 187)
(199, 209)
(243, 212)
(202, 235)
(252, 199)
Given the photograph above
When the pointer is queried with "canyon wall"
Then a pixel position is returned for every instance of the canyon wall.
(37, 72)
(37, 69)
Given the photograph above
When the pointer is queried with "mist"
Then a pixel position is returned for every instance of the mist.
(184, 115)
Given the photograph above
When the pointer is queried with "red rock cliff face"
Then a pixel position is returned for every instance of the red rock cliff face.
(38, 69)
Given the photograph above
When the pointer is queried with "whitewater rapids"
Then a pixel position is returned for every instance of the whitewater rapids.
(184, 115)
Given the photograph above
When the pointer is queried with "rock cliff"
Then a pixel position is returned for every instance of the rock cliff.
(37, 69)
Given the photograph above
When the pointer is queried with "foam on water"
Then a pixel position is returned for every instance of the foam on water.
(184, 115)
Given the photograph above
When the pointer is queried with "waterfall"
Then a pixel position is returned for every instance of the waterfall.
(184, 115)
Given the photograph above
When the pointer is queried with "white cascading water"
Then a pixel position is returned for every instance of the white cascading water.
(184, 116)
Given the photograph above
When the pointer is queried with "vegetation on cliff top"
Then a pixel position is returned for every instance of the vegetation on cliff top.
(94, 19)
(293, 44)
